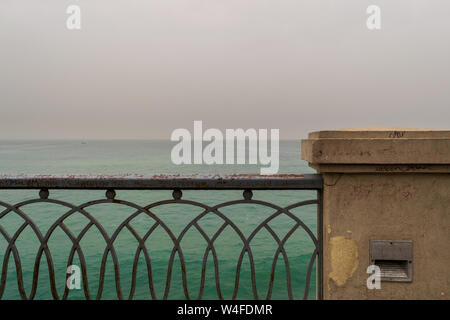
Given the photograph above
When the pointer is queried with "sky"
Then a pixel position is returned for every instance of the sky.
(139, 69)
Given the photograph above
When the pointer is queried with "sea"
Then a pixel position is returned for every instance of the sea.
(151, 157)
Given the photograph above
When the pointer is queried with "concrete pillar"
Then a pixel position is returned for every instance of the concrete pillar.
(383, 184)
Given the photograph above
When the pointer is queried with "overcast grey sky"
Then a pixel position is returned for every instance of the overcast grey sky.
(142, 68)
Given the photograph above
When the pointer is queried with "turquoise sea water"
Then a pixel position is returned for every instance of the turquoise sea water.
(151, 157)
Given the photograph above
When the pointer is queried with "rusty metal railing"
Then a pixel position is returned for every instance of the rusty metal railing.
(177, 183)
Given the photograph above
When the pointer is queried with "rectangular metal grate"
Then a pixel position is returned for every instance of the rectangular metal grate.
(394, 258)
(393, 269)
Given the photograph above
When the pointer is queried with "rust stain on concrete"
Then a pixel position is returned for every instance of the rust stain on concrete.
(344, 259)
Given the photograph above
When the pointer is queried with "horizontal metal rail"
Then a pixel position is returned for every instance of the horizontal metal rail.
(161, 181)
(177, 183)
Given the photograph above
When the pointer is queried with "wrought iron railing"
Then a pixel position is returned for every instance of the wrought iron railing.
(247, 183)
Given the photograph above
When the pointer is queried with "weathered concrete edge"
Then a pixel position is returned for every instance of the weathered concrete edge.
(376, 151)
(381, 168)
(381, 133)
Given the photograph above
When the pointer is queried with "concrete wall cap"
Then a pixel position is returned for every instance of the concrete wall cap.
(381, 133)
(378, 146)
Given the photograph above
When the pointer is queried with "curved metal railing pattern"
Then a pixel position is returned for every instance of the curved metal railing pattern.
(177, 251)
